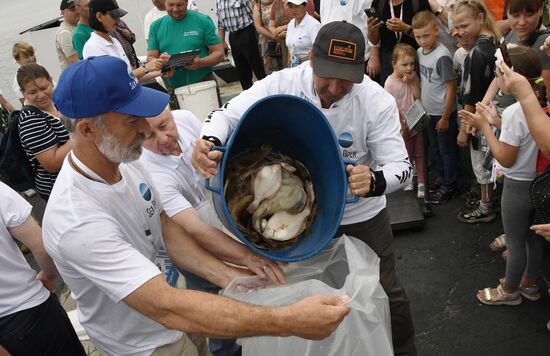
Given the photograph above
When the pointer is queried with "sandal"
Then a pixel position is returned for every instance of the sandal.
(502, 298)
(531, 293)
(498, 244)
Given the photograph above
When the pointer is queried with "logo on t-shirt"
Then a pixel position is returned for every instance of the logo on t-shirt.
(426, 72)
(145, 191)
(345, 139)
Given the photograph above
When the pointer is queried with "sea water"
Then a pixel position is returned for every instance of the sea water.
(20, 15)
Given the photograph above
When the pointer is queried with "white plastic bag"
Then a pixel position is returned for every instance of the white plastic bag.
(346, 266)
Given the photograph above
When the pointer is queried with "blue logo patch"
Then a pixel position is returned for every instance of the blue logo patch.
(145, 191)
(345, 140)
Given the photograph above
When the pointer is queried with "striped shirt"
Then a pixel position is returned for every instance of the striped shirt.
(233, 15)
(38, 134)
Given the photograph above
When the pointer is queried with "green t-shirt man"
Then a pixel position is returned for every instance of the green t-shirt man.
(81, 34)
(194, 31)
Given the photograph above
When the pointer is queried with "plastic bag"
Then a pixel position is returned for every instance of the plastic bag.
(346, 266)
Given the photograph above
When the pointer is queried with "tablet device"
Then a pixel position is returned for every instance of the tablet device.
(415, 116)
(178, 60)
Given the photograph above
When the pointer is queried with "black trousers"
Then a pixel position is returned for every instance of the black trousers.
(246, 53)
(41, 330)
(377, 233)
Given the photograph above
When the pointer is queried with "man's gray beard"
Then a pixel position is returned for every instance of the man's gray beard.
(114, 150)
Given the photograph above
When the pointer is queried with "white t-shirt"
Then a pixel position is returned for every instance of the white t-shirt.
(353, 12)
(367, 116)
(299, 39)
(150, 17)
(103, 239)
(99, 46)
(64, 44)
(514, 131)
(16, 89)
(19, 288)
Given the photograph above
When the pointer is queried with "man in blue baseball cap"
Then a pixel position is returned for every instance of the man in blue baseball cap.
(104, 225)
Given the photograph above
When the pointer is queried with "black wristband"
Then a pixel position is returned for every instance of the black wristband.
(377, 184)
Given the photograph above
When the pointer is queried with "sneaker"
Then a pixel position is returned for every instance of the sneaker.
(441, 196)
(409, 187)
(434, 187)
(29, 193)
(476, 215)
(472, 204)
(420, 191)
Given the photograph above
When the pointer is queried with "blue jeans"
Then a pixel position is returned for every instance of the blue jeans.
(41, 330)
(218, 347)
(444, 149)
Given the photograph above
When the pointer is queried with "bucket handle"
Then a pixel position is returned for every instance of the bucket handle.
(217, 190)
(355, 198)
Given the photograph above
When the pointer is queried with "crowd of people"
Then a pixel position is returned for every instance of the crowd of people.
(123, 173)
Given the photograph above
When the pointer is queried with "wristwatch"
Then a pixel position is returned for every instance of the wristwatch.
(374, 45)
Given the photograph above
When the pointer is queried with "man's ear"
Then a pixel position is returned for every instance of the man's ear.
(86, 130)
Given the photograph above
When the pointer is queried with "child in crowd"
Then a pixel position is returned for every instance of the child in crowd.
(525, 19)
(458, 64)
(23, 53)
(438, 88)
(404, 86)
(516, 150)
(475, 26)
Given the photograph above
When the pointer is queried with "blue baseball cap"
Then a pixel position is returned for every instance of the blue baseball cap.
(98, 85)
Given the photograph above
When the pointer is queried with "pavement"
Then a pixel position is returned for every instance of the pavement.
(441, 266)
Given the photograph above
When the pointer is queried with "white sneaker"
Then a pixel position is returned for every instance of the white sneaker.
(29, 193)
(409, 187)
(421, 191)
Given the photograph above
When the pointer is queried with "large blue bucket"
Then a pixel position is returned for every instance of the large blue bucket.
(295, 128)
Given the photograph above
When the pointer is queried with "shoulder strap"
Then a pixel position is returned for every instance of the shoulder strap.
(381, 5)
(32, 109)
(14, 115)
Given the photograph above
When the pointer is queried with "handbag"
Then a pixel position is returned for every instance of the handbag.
(273, 49)
(539, 193)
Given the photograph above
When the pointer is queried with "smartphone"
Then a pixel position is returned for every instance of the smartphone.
(504, 51)
(371, 12)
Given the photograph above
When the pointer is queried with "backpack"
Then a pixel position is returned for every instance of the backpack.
(15, 167)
